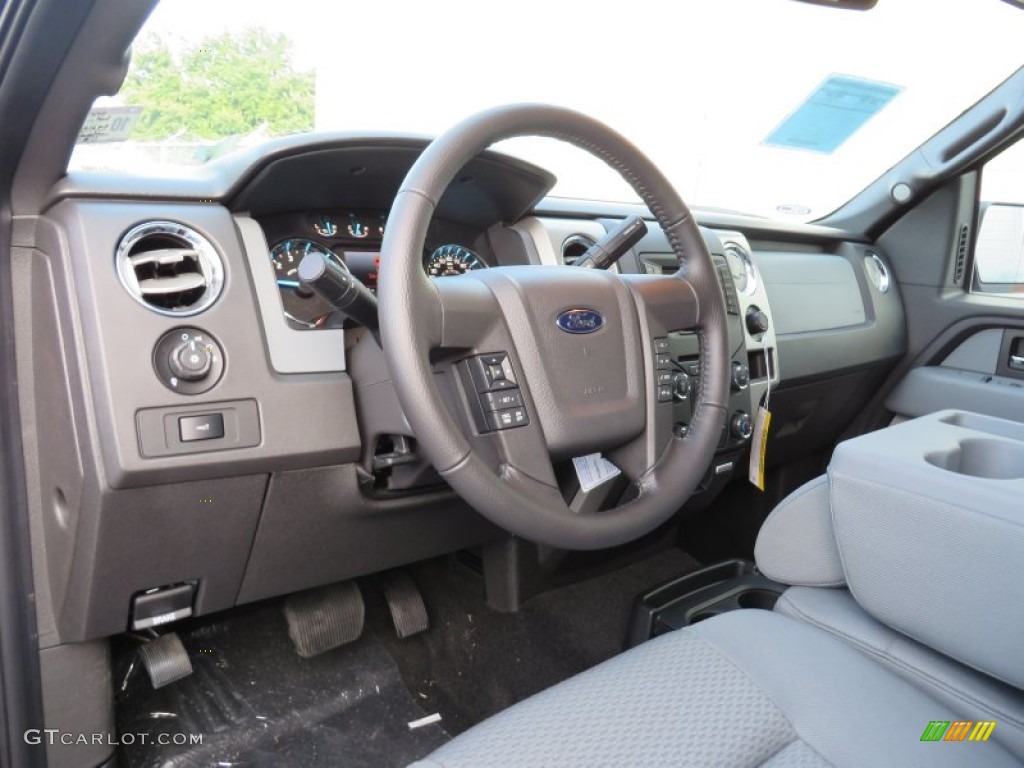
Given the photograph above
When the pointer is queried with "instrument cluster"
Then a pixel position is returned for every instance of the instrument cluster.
(353, 238)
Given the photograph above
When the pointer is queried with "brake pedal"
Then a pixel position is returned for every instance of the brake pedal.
(165, 659)
(325, 618)
(408, 611)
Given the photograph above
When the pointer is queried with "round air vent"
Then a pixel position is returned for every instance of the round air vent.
(574, 247)
(169, 268)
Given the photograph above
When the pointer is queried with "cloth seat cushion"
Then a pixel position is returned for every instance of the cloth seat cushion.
(959, 686)
(748, 688)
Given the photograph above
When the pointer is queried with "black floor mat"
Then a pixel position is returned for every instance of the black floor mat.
(256, 703)
(474, 661)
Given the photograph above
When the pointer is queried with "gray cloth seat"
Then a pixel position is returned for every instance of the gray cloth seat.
(958, 686)
(748, 688)
(907, 607)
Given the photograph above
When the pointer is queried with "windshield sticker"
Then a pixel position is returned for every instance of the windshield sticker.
(834, 111)
(107, 124)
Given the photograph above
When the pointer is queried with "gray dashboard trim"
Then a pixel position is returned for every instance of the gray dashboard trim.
(290, 350)
(933, 388)
(750, 225)
(881, 337)
(544, 237)
(811, 294)
(115, 338)
(979, 352)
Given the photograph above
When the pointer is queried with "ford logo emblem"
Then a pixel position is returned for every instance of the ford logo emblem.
(580, 321)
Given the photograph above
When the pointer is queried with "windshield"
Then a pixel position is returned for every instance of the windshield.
(767, 107)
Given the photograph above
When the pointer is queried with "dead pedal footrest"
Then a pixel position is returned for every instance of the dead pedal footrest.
(325, 618)
(165, 659)
(408, 611)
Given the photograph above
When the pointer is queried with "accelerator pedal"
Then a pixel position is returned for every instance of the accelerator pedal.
(408, 611)
(165, 659)
(325, 618)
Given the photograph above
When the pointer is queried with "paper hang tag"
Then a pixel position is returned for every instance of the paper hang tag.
(758, 444)
(592, 470)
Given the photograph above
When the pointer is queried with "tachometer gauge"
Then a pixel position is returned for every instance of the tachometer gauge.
(452, 260)
(301, 307)
(742, 269)
(286, 256)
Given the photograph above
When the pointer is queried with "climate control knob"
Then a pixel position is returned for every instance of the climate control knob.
(740, 376)
(757, 321)
(740, 426)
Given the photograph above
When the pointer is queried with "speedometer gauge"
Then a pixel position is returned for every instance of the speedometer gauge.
(452, 260)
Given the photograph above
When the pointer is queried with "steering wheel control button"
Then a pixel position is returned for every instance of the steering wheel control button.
(665, 394)
(508, 418)
(497, 401)
(188, 360)
(681, 385)
(492, 372)
(665, 377)
(663, 362)
(661, 346)
(208, 426)
(498, 396)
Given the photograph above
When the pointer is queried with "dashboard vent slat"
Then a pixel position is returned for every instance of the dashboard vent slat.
(176, 284)
(169, 268)
(961, 255)
(164, 256)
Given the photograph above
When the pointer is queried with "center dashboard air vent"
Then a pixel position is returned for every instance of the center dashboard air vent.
(574, 247)
(169, 268)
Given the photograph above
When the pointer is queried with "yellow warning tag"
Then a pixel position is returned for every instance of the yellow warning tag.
(758, 444)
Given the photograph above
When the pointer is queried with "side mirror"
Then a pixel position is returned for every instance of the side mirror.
(999, 249)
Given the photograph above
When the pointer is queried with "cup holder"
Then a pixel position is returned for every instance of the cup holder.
(982, 457)
(758, 598)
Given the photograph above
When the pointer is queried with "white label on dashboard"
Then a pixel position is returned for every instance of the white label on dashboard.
(593, 469)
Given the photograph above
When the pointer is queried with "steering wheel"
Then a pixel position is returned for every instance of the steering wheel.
(579, 346)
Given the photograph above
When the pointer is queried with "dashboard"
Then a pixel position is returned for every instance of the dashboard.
(200, 423)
